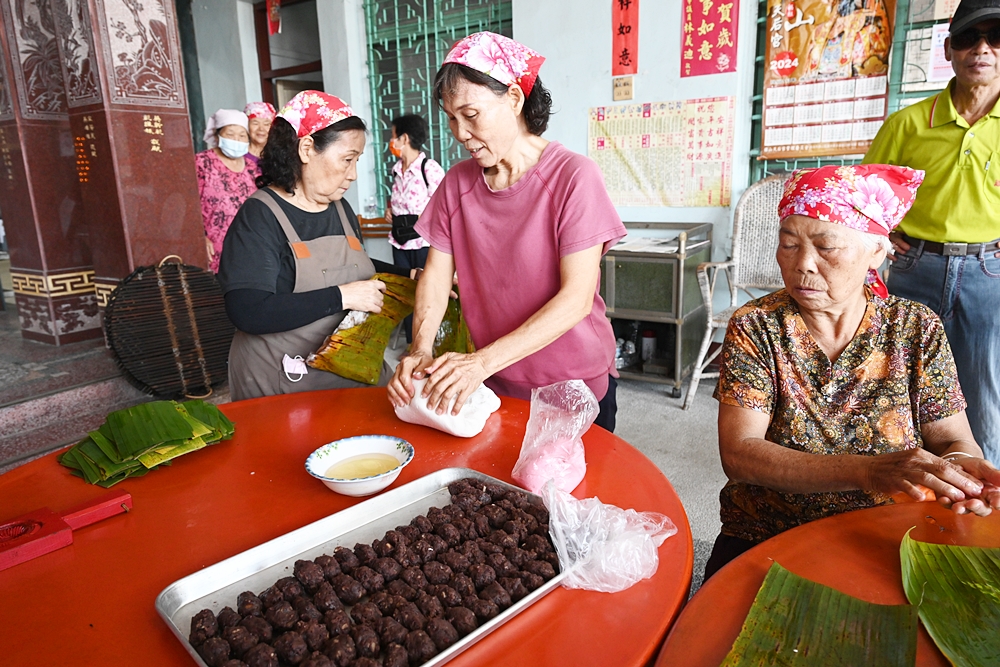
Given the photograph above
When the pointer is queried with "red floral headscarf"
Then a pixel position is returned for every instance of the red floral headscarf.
(498, 57)
(260, 110)
(871, 198)
(313, 110)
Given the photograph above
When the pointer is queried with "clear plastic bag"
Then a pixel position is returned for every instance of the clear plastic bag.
(603, 547)
(552, 448)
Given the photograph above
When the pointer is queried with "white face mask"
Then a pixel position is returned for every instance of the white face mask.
(232, 148)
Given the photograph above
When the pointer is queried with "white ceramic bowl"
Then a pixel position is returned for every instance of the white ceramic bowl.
(326, 456)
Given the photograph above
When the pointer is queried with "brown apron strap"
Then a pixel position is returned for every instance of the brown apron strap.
(286, 224)
(352, 239)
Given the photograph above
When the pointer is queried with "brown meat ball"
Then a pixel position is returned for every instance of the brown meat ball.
(543, 530)
(430, 606)
(467, 502)
(347, 588)
(325, 599)
(407, 557)
(517, 530)
(459, 487)
(316, 659)
(365, 553)
(315, 634)
(337, 622)
(365, 641)
(233, 662)
(422, 523)
(423, 550)
(448, 596)
(482, 575)
(240, 639)
(437, 573)
(471, 551)
(281, 616)
(442, 633)
(495, 515)
(496, 594)
(411, 533)
(214, 651)
(483, 609)
(466, 528)
(515, 587)
(463, 585)
(261, 655)
(436, 541)
(272, 596)
(387, 568)
(538, 511)
(259, 627)
(291, 648)
(395, 656)
(384, 601)
(403, 589)
(453, 510)
(463, 620)
(204, 624)
(500, 565)
(516, 556)
(538, 544)
(481, 523)
(227, 618)
(449, 532)
(390, 631)
(341, 650)
(419, 647)
(290, 588)
(369, 578)
(306, 610)
(413, 577)
(365, 612)
(409, 616)
(393, 539)
(346, 559)
(331, 568)
(531, 580)
(366, 662)
(248, 604)
(457, 561)
(552, 558)
(541, 568)
(438, 516)
(488, 547)
(309, 574)
(502, 539)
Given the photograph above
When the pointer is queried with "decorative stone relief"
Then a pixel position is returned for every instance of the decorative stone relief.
(6, 109)
(38, 75)
(76, 48)
(141, 52)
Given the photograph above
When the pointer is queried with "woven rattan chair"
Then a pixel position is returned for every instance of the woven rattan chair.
(752, 265)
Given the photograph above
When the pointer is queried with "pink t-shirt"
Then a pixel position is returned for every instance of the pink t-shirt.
(507, 246)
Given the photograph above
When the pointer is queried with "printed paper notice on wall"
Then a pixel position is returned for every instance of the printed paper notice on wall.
(665, 153)
(709, 37)
(625, 37)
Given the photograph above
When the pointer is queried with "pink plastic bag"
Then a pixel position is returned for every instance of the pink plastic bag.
(552, 448)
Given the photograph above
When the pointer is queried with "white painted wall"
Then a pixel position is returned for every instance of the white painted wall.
(217, 33)
(248, 50)
(577, 71)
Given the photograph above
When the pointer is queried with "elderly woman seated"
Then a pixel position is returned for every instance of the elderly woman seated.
(834, 395)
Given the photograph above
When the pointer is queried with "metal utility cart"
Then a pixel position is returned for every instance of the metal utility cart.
(652, 279)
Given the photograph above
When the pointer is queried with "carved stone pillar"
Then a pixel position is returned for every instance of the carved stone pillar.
(39, 182)
(128, 111)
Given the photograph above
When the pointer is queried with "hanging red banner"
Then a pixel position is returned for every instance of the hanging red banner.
(625, 37)
(709, 37)
(273, 16)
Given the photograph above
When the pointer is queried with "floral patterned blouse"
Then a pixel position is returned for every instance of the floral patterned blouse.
(897, 373)
(222, 192)
(410, 194)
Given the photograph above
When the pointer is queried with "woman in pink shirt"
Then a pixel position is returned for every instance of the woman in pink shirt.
(525, 224)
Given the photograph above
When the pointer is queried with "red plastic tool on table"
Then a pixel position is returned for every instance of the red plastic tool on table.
(42, 531)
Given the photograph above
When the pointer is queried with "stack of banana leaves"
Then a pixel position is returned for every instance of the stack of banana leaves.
(133, 441)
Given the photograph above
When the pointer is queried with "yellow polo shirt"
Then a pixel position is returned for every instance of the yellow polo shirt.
(959, 201)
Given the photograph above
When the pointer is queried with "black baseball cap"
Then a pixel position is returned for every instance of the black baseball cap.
(971, 12)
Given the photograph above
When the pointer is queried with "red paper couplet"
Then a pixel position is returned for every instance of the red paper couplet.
(625, 37)
(273, 16)
(708, 37)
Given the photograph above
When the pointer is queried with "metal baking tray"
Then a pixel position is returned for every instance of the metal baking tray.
(218, 585)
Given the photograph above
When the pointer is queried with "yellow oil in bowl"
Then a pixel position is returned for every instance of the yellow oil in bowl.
(362, 465)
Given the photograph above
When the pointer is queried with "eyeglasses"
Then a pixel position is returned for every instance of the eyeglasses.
(969, 38)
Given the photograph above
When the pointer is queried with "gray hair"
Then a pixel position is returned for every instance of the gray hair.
(873, 242)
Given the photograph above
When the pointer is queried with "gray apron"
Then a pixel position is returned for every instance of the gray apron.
(255, 367)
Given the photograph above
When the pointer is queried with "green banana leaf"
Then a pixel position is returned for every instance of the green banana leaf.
(143, 427)
(453, 334)
(794, 621)
(957, 592)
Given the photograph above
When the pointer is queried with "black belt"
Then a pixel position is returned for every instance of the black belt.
(951, 249)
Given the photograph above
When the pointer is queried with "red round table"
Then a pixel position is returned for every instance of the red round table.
(95, 598)
(856, 553)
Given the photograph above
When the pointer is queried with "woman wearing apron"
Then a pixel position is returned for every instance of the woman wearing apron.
(292, 262)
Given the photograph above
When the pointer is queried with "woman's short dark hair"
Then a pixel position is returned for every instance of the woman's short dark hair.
(537, 106)
(413, 126)
(280, 163)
